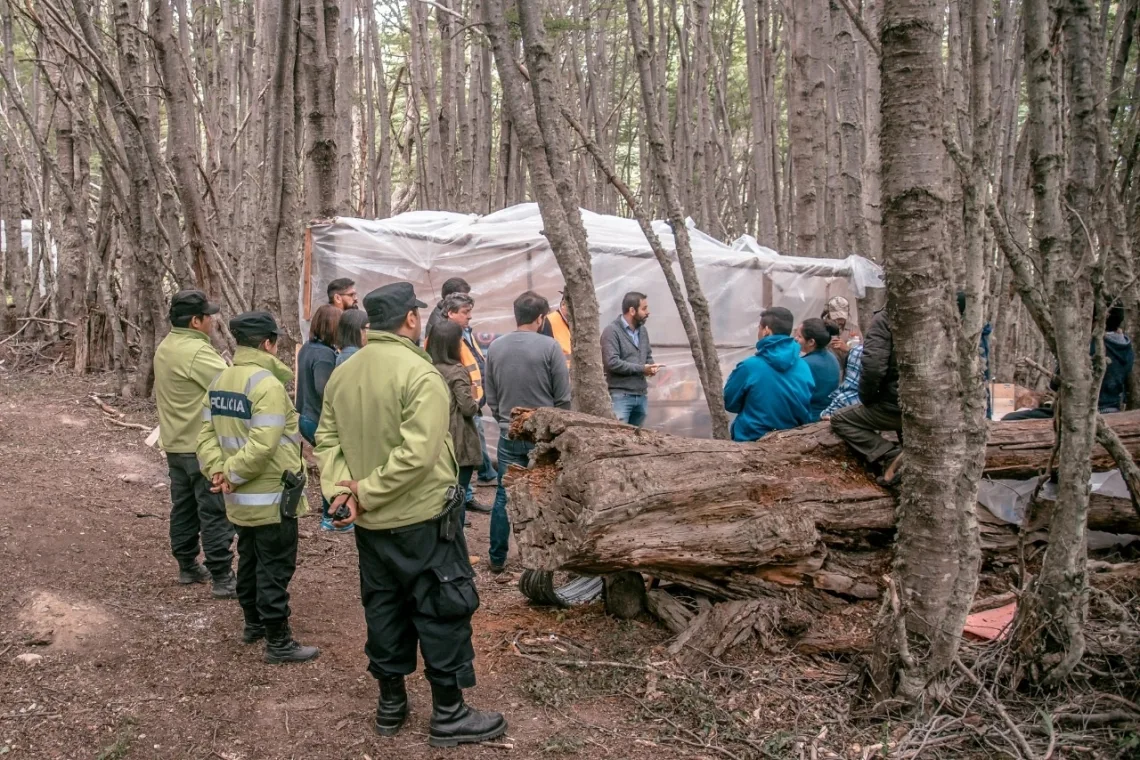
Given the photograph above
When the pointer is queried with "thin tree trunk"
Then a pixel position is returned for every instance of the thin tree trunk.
(937, 551)
(276, 273)
(536, 126)
(317, 53)
(345, 56)
(663, 171)
(1051, 618)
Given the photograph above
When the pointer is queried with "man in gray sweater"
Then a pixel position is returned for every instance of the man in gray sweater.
(628, 360)
(524, 369)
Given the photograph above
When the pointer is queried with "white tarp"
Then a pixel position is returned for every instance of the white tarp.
(503, 254)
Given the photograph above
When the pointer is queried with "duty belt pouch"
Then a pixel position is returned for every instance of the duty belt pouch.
(292, 491)
(449, 518)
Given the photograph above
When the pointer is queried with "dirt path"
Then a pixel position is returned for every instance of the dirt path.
(136, 666)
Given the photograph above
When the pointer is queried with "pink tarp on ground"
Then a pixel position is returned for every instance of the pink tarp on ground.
(991, 624)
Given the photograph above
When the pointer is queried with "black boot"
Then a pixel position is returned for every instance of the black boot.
(253, 633)
(225, 586)
(280, 646)
(392, 709)
(194, 573)
(454, 723)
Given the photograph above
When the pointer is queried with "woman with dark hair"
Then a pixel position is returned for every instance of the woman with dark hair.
(444, 351)
(315, 363)
(351, 334)
(815, 338)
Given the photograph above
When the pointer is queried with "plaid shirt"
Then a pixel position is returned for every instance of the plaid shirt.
(847, 394)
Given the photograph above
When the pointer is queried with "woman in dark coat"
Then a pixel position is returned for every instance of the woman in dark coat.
(315, 363)
(444, 351)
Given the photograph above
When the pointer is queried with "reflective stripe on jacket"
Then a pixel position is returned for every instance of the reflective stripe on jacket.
(249, 434)
(560, 331)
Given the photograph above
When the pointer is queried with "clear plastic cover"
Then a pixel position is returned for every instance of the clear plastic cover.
(503, 254)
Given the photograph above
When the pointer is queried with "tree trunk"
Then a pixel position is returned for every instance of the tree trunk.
(1051, 620)
(183, 147)
(735, 520)
(15, 284)
(712, 378)
(276, 273)
(535, 124)
(937, 550)
(317, 49)
(345, 56)
(854, 233)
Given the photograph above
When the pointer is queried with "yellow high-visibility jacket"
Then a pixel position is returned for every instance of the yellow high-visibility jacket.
(391, 435)
(184, 366)
(249, 434)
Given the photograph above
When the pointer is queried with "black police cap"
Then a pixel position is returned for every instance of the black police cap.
(254, 324)
(191, 303)
(397, 298)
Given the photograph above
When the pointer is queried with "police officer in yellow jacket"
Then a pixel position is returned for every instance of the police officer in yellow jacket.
(184, 366)
(387, 457)
(250, 448)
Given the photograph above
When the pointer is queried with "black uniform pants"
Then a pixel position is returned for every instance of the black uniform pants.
(416, 587)
(267, 559)
(197, 512)
(860, 425)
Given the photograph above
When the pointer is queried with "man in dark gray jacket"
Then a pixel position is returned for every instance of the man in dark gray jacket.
(860, 425)
(628, 359)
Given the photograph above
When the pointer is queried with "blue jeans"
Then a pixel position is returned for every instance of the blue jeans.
(510, 452)
(308, 428)
(630, 408)
(486, 471)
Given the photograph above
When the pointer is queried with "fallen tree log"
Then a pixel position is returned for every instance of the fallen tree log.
(734, 520)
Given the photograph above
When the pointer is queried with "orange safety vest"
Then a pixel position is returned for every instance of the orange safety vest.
(561, 332)
(467, 358)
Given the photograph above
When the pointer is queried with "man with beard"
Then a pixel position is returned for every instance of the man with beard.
(524, 369)
(628, 360)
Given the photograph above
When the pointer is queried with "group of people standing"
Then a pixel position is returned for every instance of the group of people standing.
(388, 470)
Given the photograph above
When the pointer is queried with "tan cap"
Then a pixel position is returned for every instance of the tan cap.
(838, 308)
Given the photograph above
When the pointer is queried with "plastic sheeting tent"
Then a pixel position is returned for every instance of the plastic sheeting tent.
(505, 253)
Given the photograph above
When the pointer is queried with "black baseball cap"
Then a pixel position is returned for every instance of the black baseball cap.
(397, 298)
(257, 325)
(191, 303)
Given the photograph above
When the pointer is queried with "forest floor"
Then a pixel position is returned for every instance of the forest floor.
(135, 666)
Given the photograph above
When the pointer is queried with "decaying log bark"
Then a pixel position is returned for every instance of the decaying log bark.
(665, 607)
(737, 521)
(722, 626)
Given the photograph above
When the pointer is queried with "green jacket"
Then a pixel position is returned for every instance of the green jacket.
(385, 424)
(184, 366)
(249, 433)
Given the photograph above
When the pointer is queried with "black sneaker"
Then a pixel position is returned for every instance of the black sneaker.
(193, 574)
(497, 569)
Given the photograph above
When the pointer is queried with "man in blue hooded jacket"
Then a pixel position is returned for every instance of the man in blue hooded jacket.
(771, 390)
